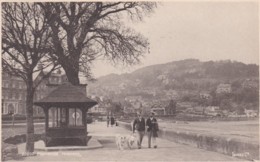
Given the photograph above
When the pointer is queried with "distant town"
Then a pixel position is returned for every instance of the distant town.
(216, 89)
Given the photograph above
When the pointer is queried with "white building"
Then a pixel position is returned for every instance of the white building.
(250, 113)
(223, 88)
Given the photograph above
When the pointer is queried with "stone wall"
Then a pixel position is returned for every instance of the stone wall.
(228, 146)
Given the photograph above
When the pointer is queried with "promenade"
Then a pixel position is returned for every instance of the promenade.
(166, 151)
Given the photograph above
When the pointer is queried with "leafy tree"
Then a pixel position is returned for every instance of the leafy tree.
(85, 31)
(226, 104)
(25, 44)
(171, 108)
(236, 84)
(250, 95)
(246, 95)
(205, 101)
(240, 110)
(117, 108)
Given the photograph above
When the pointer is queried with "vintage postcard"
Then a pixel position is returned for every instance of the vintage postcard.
(130, 81)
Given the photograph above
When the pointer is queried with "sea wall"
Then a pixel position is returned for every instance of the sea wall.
(229, 146)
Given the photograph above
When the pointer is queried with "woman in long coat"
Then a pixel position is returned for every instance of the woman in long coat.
(108, 120)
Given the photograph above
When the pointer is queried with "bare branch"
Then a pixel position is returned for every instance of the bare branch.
(83, 31)
(25, 37)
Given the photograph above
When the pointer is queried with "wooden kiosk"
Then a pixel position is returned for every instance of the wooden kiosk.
(65, 111)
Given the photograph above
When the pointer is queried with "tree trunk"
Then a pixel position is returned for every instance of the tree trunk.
(71, 67)
(29, 116)
(72, 75)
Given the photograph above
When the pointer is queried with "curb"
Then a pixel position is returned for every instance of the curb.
(92, 144)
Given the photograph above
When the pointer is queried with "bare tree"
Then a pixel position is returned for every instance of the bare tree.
(25, 44)
(85, 31)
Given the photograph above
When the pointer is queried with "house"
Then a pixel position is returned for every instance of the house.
(158, 109)
(13, 94)
(198, 110)
(182, 106)
(137, 82)
(162, 77)
(150, 91)
(188, 110)
(127, 107)
(172, 94)
(122, 85)
(194, 110)
(205, 95)
(235, 115)
(133, 98)
(223, 88)
(128, 110)
(212, 109)
(249, 83)
(250, 113)
(99, 109)
(137, 104)
(14, 91)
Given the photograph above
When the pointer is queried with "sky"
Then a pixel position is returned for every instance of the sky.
(201, 30)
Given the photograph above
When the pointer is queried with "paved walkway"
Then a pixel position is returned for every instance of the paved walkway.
(166, 151)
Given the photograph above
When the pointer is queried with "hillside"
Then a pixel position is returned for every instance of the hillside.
(175, 80)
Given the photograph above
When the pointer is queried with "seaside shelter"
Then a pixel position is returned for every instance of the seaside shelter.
(65, 110)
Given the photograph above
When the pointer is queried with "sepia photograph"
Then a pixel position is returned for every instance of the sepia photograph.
(130, 81)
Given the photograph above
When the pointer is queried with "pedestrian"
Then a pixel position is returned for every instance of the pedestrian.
(112, 121)
(108, 120)
(13, 117)
(116, 121)
(139, 128)
(152, 129)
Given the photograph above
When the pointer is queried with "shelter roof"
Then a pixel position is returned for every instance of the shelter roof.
(66, 95)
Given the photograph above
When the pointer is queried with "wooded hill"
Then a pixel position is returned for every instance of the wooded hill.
(180, 80)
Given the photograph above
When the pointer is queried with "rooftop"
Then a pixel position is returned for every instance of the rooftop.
(66, 95)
